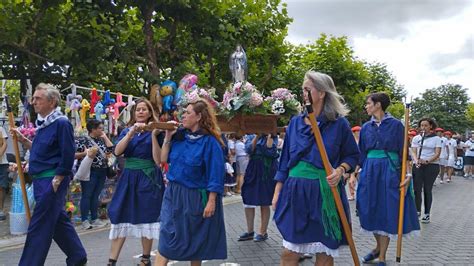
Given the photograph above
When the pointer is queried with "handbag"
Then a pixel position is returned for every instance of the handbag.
(84, 170)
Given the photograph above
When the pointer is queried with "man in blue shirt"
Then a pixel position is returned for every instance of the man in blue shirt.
(50, 165)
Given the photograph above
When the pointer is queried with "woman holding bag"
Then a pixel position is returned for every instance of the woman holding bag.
(98, 140)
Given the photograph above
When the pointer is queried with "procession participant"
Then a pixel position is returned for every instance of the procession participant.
(259, 185)
(50, 165)
(443, 157)
(192, 218)
(92, 188)
(452, 145)
(427, 148)
(305, 212)
(468, 147)
(378, 194)
(136, 204)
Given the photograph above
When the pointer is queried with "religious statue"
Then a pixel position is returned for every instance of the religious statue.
(238, 64)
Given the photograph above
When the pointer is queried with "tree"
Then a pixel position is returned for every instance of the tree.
(470, 115)
(354, 78)
(447, 104)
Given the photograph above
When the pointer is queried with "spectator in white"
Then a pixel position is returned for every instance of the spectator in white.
(232, 160)
(469, 158)
(443, 157)
(242, 160)
(451, 145)
(426, 148)
(3, 171)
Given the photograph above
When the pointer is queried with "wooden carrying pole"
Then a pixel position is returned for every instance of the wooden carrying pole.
(328, 168)
(402, 179)
(18, 160)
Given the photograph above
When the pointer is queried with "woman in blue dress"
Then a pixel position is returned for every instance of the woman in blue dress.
(192, 218)
(259, 185)
(136, 204)
(378, 193)
(305, 212)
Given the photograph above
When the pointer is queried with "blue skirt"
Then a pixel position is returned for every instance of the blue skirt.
(258, 187)
(298, 214)
(137, 198)
(378, 199)
(229, 180)
(185, 235)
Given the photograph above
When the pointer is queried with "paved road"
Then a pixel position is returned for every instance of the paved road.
(447, 240)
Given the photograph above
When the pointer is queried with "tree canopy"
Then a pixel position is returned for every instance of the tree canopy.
(129, 45)
(447, 104)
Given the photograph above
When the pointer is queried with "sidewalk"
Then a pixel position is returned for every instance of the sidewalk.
(447, 240)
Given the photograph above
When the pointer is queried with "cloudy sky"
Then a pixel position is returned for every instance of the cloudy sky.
(424, 43)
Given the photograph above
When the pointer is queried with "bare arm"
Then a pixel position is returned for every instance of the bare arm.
(165, 149)
(156, 150)
(3, 148)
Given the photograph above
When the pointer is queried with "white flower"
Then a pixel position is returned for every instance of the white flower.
(278, 107)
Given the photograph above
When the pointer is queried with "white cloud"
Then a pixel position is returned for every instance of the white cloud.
(423, 51)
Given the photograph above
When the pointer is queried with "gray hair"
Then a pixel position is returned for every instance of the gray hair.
(51, 92)
(333, 102)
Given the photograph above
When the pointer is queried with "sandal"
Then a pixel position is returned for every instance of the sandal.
(145, 261)
(371, 256)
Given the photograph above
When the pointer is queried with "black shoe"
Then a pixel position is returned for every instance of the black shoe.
(426, 219)
(246, 236)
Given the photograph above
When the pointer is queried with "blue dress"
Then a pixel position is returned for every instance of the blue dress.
(259, 185)
(196, 169)
(136, 204)
(298, 213)
(378, 194)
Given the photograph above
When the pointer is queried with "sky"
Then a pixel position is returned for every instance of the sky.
(424, 43)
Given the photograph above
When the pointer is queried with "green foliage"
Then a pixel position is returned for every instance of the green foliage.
(470, 115)
(130, 45)
(447, 104)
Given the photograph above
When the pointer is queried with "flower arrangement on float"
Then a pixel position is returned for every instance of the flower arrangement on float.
(242, 98)
(283, 103)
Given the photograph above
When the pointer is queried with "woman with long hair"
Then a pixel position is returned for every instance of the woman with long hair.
(305, 212)
(192, 218)
(427, 148)
(378, 194)
(136, 204)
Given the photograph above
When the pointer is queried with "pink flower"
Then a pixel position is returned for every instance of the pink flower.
(256, 99)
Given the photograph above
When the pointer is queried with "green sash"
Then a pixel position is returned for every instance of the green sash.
(379, 154)
(267, 163)
(147, 166)
(331, 223)
(45, 174)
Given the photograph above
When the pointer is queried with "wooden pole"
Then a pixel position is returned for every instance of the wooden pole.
(402, 179)
(328, 168)
(18, 160)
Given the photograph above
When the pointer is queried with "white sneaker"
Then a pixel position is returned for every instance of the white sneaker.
(441, 181)
(86, 225)
(98, 223)
(228, 194)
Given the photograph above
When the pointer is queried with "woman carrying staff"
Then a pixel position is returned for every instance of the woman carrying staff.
(427, 148)
(136, 204)
(378, 194)
(259, 185)
(192, 218)
(305, 212)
